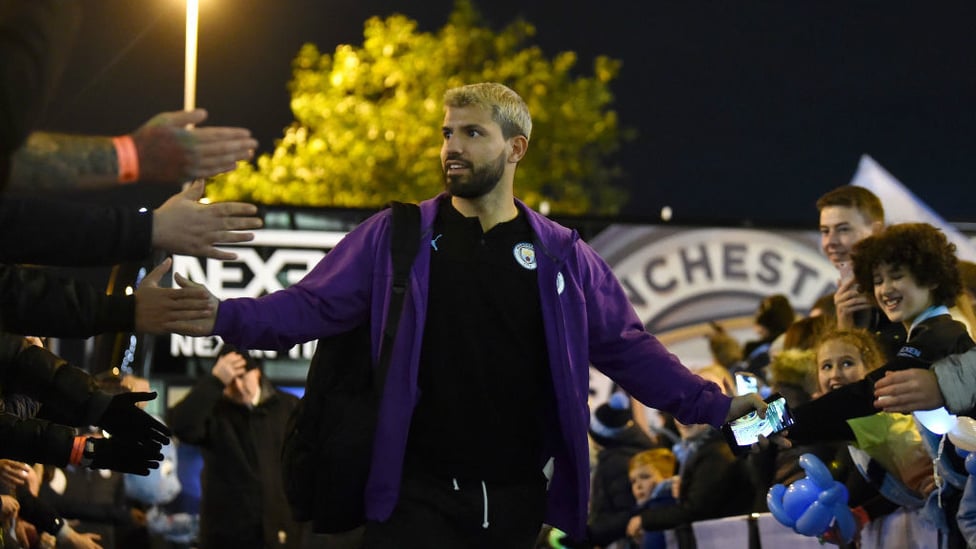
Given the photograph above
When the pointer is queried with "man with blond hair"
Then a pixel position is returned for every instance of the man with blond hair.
(481, 435)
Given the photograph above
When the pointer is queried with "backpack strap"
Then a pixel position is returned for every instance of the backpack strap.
(404, 243)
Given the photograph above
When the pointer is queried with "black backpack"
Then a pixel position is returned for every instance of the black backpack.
(328, 446)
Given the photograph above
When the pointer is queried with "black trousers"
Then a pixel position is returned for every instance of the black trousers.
(441, 513)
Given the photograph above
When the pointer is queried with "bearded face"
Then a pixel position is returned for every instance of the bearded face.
(466, 179)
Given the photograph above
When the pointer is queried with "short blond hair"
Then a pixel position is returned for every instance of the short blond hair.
(661, 460)
(507, 108)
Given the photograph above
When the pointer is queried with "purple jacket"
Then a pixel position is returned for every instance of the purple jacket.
(587, 317)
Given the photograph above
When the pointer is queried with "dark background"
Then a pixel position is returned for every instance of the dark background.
(746, 111)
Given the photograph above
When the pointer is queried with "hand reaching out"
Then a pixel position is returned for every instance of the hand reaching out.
(124, 418)
(173, 310)
(170, 151)
(13, 473)
(199, 326)
(908, 390)
(184, 225)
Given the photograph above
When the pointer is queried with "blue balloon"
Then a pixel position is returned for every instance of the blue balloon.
(774, 500)
(816, 470)
(799, 497)
(811, 504)
(845, 521)
(815, 520)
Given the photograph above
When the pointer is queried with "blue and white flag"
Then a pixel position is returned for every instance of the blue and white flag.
(901, 206)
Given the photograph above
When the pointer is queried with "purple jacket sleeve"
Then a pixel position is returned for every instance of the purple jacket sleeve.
(332, 298)
(636, 360)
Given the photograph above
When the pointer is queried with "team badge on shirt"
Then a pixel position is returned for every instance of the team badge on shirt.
(525, 255)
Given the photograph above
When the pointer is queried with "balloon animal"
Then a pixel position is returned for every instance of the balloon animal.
(810, 505)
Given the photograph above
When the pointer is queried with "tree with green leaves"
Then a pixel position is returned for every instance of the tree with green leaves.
(367, 120)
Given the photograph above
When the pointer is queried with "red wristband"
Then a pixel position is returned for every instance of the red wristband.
(128, 158)
(77, 450)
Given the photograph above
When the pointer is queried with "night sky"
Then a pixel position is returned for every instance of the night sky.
(746, 111)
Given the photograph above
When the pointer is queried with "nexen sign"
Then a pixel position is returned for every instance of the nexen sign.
(275, 259)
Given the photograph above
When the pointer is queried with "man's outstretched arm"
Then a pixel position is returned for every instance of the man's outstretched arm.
(69, 234)
(166, 149)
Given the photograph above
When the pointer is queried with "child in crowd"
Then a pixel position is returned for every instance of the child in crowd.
(712, 482)
(792, 374)
(915, 276)
(650, 476)
(914, 272)
(887, 471)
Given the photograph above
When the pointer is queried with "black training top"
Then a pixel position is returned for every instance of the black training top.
(485, 388)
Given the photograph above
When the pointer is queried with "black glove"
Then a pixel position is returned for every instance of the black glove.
(123, 418)
(122, 455)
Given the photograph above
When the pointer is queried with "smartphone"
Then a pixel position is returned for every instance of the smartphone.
(746, 383)
(743, 432)
(846, 269)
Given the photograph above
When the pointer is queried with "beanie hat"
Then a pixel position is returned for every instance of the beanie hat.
(611, 419)
(775, 314)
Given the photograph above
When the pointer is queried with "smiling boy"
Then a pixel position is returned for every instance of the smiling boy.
(914, 274)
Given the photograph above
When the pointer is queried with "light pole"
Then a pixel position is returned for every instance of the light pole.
(190, 76)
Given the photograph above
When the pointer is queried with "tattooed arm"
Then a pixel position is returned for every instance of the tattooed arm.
(168, 149)
(52, 161)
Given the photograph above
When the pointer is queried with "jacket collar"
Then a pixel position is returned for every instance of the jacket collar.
(555, 240)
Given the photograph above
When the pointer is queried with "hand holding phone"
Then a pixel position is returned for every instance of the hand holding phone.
(741, 433)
